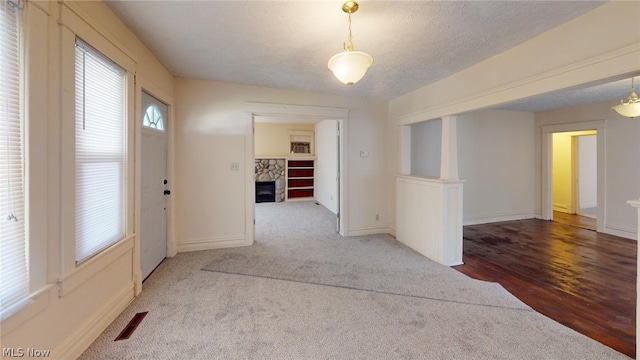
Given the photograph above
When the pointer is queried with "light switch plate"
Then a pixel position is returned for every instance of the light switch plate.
(364, 153)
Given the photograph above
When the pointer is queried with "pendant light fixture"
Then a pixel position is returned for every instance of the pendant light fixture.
(630, 108)
(350, 65)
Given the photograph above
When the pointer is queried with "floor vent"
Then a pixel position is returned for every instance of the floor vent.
(131, 326)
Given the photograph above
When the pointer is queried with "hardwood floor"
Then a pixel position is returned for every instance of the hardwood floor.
(578, 277)
(575, 220)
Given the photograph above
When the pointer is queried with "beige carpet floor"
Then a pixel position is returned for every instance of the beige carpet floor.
(303, 292)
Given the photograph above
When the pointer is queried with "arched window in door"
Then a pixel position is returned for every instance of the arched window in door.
(153, 118)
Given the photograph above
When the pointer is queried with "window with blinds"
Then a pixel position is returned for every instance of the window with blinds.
(100, 152)
(14, 273)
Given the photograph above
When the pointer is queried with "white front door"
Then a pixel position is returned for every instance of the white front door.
(153, 221)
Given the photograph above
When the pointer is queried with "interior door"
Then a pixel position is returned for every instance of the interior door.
(587, 177)
(154, 189)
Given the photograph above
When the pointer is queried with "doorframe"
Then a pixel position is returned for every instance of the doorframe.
(547, 163)
(254, 109)
(142, 84)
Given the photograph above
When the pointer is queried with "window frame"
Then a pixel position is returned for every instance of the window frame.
(22, 293)
(69, 274)
(88, 154)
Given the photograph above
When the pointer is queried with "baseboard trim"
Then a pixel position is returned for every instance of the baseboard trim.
(211, 244)
(562, 208)
(621, 231)
(373, 230)
(86, 334)
(486, 219)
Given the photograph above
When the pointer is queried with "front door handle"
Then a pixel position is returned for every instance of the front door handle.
(167, 192)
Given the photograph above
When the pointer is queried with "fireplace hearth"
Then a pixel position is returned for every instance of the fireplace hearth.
(265, 191)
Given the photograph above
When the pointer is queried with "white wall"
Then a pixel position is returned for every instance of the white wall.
(326, 185)
(496, 158)
(71, 305)
(587, 172)
(212, 128)
(622, 168)
(426, 140)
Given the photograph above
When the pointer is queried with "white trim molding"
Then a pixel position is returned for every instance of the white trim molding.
(491, 218)
(596, 68)
(547, 175)
(621, 231)
(93, 266)
(371, 230)
(269, 109)
(211, 243)
(296, 112)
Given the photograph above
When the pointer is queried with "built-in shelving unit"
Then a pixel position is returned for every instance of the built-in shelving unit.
(300, 179)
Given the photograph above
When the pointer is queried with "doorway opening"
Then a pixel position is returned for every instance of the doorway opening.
(575, 177)
(573, 174)
(296, 160)
(295, 114)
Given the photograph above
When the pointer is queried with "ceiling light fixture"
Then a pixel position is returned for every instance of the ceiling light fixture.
(630, 108)
(350, 65)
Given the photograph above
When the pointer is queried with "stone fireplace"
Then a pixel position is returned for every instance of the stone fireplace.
(271, 170)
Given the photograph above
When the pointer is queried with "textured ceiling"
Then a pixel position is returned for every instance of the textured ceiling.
(286, 44)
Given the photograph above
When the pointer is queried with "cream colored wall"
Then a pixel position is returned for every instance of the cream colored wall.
(212, 131)
(585, 50)
(562, 189)
(274, 139)
(72, 305)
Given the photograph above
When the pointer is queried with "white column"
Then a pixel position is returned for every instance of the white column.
(449, 149)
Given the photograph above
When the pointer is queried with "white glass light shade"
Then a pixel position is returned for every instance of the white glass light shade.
(630, 110)
(350, 66)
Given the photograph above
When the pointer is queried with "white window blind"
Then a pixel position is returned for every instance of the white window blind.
(100, 152)
(14, 274)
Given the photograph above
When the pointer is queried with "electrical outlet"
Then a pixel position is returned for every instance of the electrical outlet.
(377, 217)
(235, 166)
